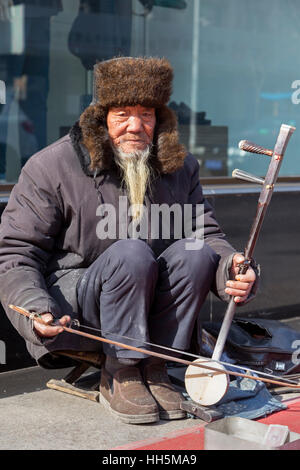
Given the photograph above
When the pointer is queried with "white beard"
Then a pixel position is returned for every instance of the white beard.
(136, 176)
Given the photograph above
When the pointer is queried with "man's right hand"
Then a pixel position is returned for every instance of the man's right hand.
(48, 330)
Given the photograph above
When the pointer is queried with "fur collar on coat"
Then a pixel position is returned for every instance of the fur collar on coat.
(91, 142)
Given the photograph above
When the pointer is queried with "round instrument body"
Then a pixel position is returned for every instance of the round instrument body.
(204, 386)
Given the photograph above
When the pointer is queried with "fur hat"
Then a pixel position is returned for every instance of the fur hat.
(128, 81)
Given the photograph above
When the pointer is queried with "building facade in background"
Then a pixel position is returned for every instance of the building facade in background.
(236, 68)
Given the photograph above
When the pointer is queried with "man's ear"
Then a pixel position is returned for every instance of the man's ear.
(169, 152)
(93, 124)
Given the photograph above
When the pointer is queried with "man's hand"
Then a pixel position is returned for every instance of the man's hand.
(241, 285)
(48, 330)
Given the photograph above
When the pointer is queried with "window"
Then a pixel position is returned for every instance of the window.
(236, 72)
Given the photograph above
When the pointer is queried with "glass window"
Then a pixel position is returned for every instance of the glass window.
(236, 73)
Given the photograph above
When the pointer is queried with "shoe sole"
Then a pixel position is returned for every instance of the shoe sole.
(130, 419)
(174, 414)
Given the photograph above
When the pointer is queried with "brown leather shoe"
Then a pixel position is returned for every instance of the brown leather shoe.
(126, 396)
(158, 382)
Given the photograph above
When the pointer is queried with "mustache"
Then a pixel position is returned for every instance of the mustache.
(132, 138)
(122, 158)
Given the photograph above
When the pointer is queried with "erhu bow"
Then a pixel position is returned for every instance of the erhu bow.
(211, 368)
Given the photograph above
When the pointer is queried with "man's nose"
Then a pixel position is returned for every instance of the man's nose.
(135, 124)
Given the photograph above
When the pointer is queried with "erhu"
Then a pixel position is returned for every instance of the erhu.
(209, 389)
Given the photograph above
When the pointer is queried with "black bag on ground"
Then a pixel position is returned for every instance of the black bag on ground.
(264, 345)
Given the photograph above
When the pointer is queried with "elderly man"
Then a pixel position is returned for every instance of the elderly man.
(64, 253)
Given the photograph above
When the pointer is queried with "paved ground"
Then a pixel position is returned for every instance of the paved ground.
(34, 417)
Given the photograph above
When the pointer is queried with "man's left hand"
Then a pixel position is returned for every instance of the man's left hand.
(241, 284)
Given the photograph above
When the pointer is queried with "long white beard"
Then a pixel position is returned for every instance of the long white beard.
(136, 176)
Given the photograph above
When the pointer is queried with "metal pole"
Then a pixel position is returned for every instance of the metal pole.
(195, 74)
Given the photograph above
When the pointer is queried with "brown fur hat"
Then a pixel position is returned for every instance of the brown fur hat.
(128, 81)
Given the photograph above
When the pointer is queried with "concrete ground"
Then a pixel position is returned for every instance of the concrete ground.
(34, 417)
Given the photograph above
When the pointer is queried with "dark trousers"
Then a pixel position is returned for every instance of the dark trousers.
(127, 292)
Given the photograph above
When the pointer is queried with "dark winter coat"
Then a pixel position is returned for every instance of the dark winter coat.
(48, 229)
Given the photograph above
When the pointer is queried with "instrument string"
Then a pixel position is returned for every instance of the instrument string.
(203, 363)
(76, 323)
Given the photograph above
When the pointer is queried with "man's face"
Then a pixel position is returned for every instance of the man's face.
(131, 128)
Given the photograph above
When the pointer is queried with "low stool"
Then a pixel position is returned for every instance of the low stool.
(75, 383)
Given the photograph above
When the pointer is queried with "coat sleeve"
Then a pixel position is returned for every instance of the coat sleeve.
(214, 237)
(29, 225)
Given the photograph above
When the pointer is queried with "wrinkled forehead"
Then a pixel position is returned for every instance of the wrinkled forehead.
(137, 109)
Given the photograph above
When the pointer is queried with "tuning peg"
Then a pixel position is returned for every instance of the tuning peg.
(253, 148)
(243, 175)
